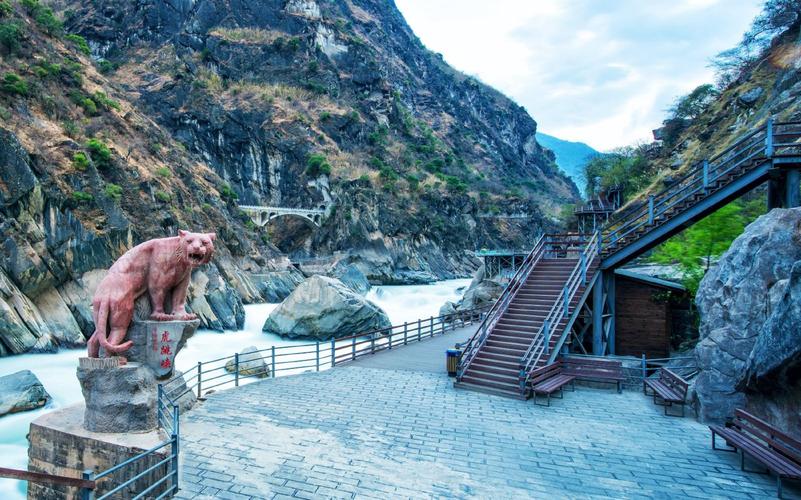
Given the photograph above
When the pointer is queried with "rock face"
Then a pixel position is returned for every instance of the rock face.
(21, 391)
(322, 308)
(251, 364)
(482, 292)
(353, 278)
(749, 352)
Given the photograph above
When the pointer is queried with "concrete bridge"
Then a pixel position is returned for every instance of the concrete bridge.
(262, 215)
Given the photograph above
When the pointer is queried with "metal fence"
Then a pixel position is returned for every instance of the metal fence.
(637, 371)
(274, 361)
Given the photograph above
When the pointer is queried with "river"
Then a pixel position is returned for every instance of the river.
(57, 371)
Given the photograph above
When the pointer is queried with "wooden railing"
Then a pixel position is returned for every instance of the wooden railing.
(587, 250)
(472, 346)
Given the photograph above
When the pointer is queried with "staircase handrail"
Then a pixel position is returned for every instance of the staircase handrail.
(559, 309)
(699, 177)
(471, 347)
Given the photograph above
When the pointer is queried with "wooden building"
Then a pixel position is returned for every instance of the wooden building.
(645, 310)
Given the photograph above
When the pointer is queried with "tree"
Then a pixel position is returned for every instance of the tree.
(694, 103)
(627, 167)
(695, 249)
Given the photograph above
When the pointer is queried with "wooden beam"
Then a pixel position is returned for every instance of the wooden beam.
(39, 477)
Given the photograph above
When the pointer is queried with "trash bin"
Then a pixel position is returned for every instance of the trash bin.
(452, 357)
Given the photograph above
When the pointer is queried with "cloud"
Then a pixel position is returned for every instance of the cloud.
(598, 72)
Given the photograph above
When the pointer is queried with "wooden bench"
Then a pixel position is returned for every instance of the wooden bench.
(548, 380)
(778, 452)
(669, 387)
(595, 370)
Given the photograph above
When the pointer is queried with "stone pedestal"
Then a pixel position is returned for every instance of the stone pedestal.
(118, 398)
(59, 444)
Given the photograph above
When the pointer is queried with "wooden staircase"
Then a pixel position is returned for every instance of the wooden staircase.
(526, 316)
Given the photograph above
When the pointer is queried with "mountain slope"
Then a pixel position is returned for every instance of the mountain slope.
(570, 156)
(173, 113)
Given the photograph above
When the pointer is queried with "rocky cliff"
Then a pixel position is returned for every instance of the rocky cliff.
(750, 349)
(124, 121)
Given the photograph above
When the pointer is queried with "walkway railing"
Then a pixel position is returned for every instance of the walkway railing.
(471, 348)
(237, 369)
(770, 141)
(564, 245)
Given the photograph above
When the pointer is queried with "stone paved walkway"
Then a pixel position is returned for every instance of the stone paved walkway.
(359, 432)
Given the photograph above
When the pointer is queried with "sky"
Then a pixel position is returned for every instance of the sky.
(602, 72)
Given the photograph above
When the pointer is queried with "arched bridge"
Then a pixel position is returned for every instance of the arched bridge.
(262, 215)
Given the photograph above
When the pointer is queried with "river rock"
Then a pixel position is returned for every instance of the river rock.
(251, 364)
(748, 314)
(21, 391)
(353, 278)
(217, 304)
(482, 292)
(323, 308)
(277, 285)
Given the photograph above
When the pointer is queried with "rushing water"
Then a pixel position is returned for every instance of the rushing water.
(57, 371)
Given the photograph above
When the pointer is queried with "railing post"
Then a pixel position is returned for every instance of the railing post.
(644, 369)
(706, 173)
(272, 362)
(566, 300)
(389, 338)
(236, 370)
(175, 446)
(199, 377)
(353, 348)
(546, 332)
(769, 138)
(583, 268)
(372, 344)
(333, 352)
(405, 332)
(159, 413)
(419, 328)
(87, 493)
(317, 356)
(432, 326)
(650, 209)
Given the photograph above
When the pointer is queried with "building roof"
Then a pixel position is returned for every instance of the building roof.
(650, 280)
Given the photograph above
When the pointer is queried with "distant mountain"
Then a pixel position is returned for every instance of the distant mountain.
(570, 156)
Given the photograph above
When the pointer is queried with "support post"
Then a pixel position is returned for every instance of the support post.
(199, 377)
(650, 209)
(565, 300)
(776, 193)
(644, 372)
(546, 331)
(610, 308)
(583, 268)
(597, 316)
(236, 369)
(419, 327)
(405, 333)
(431, 325)
(769, 138)
(86, 493)
(792, 185)
(272, 365)
(353, 349)
(317, 356)
(176, 421)
(333, 352)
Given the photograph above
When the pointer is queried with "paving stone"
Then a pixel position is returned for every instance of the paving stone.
(365, 432)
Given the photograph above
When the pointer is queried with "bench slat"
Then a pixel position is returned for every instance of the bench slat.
(772, 459)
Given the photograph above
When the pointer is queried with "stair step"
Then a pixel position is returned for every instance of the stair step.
(478, 374)
(482, 361)
(489, 389)
(503, 370)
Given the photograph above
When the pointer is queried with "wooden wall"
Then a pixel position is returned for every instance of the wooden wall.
(642, 323)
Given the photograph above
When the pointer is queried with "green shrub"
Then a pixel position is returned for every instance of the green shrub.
(14, 84)
(227, 193)
(43, 16)
(80, 161)
(206, 206)
(413, 181)
(163, 196)
(71, 129)
(100, 153)
(293, 44)
(324, 116)
(80, 43)
(89, 106)
(10, 36)
(317, 164)
(5, 8)
(104, 101)
(164, 172)
(105, 66)
(364, 178)
(81, 197)
(113, 191)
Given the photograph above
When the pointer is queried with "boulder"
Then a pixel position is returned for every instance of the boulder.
(482, 292)
(323, 308)
(277, 285)
(251, 364)
(447, 308)
(748, 305)
(750, 97)
(21, 391)
(216, 303)
(353, 278)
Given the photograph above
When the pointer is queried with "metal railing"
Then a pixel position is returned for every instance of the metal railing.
(567, 245)
(639, 370)
(771, 140)
(274, 361)
(472, 346)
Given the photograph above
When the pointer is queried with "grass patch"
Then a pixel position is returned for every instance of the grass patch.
(82, 198)
(43, 16)
(10, 36)
(113, 191)
(80, 161)
(227, 193)
(100, 153)
(163, 196)
(80, 43)
(164, 172)
(14, 84)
